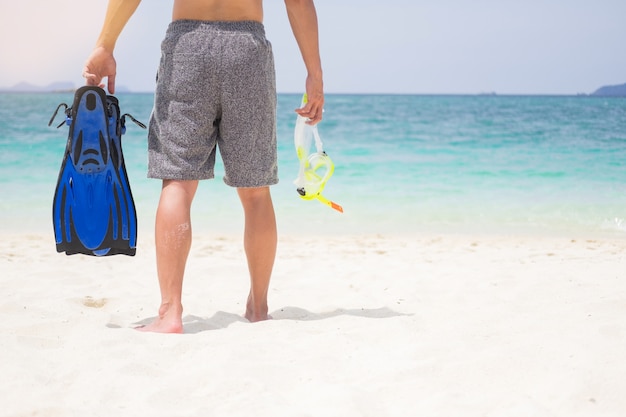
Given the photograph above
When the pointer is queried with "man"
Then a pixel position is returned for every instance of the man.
(215, 84)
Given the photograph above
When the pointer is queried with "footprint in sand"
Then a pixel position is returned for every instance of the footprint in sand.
(94, 302)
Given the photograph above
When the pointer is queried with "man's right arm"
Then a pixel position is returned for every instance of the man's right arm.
(303, 20)
(101, 62)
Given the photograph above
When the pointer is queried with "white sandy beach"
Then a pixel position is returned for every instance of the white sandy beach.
(363, 326)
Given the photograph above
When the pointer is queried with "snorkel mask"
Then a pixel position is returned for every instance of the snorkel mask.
(315, 168)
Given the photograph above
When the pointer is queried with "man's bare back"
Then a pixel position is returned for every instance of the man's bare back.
(218, 10)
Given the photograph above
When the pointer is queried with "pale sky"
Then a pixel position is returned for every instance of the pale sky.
(367, 46)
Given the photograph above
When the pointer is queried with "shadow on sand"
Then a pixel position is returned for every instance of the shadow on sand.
(221, 319)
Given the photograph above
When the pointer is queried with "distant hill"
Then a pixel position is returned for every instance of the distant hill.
(611, 91)
(56, 87)
(25, 87)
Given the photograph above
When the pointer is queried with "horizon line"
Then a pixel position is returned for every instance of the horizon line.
(378, 93)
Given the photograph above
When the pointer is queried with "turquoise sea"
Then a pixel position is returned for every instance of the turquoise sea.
(405, 164)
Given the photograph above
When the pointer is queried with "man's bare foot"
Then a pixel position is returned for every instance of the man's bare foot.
(253, 318)
(169, 321)
(256, 312)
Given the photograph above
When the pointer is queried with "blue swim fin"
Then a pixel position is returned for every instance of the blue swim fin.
(93, 212)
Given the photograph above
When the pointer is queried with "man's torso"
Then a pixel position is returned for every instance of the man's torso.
(225, 10)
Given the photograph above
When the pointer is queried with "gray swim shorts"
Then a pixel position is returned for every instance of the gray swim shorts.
(216, 87)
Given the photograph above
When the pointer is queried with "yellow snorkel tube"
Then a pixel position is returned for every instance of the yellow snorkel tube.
(315, 168)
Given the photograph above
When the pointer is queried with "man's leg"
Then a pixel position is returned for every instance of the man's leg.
(173, 241)
(260, 238)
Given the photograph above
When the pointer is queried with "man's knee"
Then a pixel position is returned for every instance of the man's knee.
(251, 197)
(176, 197)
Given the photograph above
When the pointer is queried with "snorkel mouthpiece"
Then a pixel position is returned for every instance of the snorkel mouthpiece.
(315, 168)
